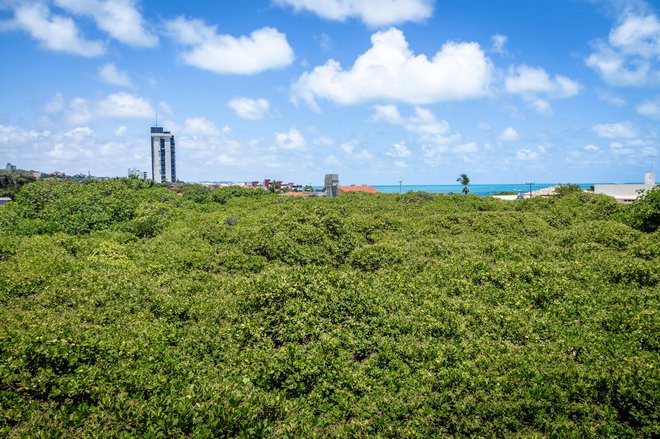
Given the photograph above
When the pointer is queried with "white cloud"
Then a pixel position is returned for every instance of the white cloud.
(399, 150)
(250, 109)
(199, 126)
(423, 122)
(434, 154)
(263, 49)
(483, 126)
(612, 99)
(650, 108)
(79, 111)
(542, 107)
(637, 36)
(56, 104)
(592, 148)
(119, 18)
(226, 160)
(323, 141)
(54, 32)
(389, 70)
(387, 113)
(618, 148)
(290, 140)
(371, 12)
(497, 43)
(120, 131)
(509, 135)
(400, 164)
(630, 55)
(351, 148)
(466, 148)
(124, 105)
(615, 130)
(110, 74)
(525, 80)
(527, 154)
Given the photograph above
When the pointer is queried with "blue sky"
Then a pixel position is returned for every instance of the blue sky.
(378, 91)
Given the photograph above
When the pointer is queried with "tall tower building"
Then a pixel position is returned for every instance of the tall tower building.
(163, 163)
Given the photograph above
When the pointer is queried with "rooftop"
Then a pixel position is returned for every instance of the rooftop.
(367, 189)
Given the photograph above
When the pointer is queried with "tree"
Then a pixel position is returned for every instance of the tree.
(465, 181)
(12, 181)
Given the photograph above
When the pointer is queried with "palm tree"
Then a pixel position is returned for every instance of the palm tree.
(465, 181)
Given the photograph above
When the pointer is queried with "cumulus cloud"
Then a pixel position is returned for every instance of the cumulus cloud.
(525, 80)
(650, 108)
(592, 148)
(621, 130)
(110, 74)
(53, 32)
(352, 149)
(422, 122)
(371, 12)
(509, 135)
(250, 109)
(124, 105)
(399, 150)
(118, 18)
(629, 56)
(199, 126)
(263, 49)
(290, 140)
(389, 70)
(535, 86)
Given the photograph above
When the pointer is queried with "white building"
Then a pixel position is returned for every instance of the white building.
(623, 193)
(163, 159)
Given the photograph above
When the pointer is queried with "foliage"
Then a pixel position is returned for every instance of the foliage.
(224, 194)
(566, 189)
(645, 212)
(129, 310)
(11, 181)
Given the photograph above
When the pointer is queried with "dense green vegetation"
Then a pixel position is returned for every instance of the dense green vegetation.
(133, 310)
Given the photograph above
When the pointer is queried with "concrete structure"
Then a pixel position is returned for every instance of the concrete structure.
(353, 188)
(10, 167)
(4, 200)
(623, 193)
(331, 184)
(649, 178)
(163, 158)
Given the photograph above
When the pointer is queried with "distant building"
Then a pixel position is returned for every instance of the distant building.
(623, 193)
(4, 200)
(331, 184)
(163, 158)
(353, 188)
(10, 167)
(649, 178)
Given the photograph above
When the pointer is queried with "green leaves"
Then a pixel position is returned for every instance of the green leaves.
(130, 310)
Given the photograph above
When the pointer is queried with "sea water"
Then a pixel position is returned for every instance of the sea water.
(478, 189)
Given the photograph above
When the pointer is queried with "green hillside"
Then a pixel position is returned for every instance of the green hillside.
(130, 310)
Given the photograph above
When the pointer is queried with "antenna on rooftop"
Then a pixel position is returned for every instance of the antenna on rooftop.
(156, 120)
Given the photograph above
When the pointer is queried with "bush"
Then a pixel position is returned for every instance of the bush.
(645, 211)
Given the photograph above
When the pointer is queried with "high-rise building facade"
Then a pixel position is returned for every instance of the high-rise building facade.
(163, 158)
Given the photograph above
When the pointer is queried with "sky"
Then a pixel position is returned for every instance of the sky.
(378, 91)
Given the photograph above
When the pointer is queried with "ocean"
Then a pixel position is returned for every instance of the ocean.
(478, 189)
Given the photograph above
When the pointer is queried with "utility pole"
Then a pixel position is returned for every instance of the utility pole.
(400, 181)
(530, 188)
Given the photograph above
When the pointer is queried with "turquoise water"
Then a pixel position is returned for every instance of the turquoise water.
(478, 189)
